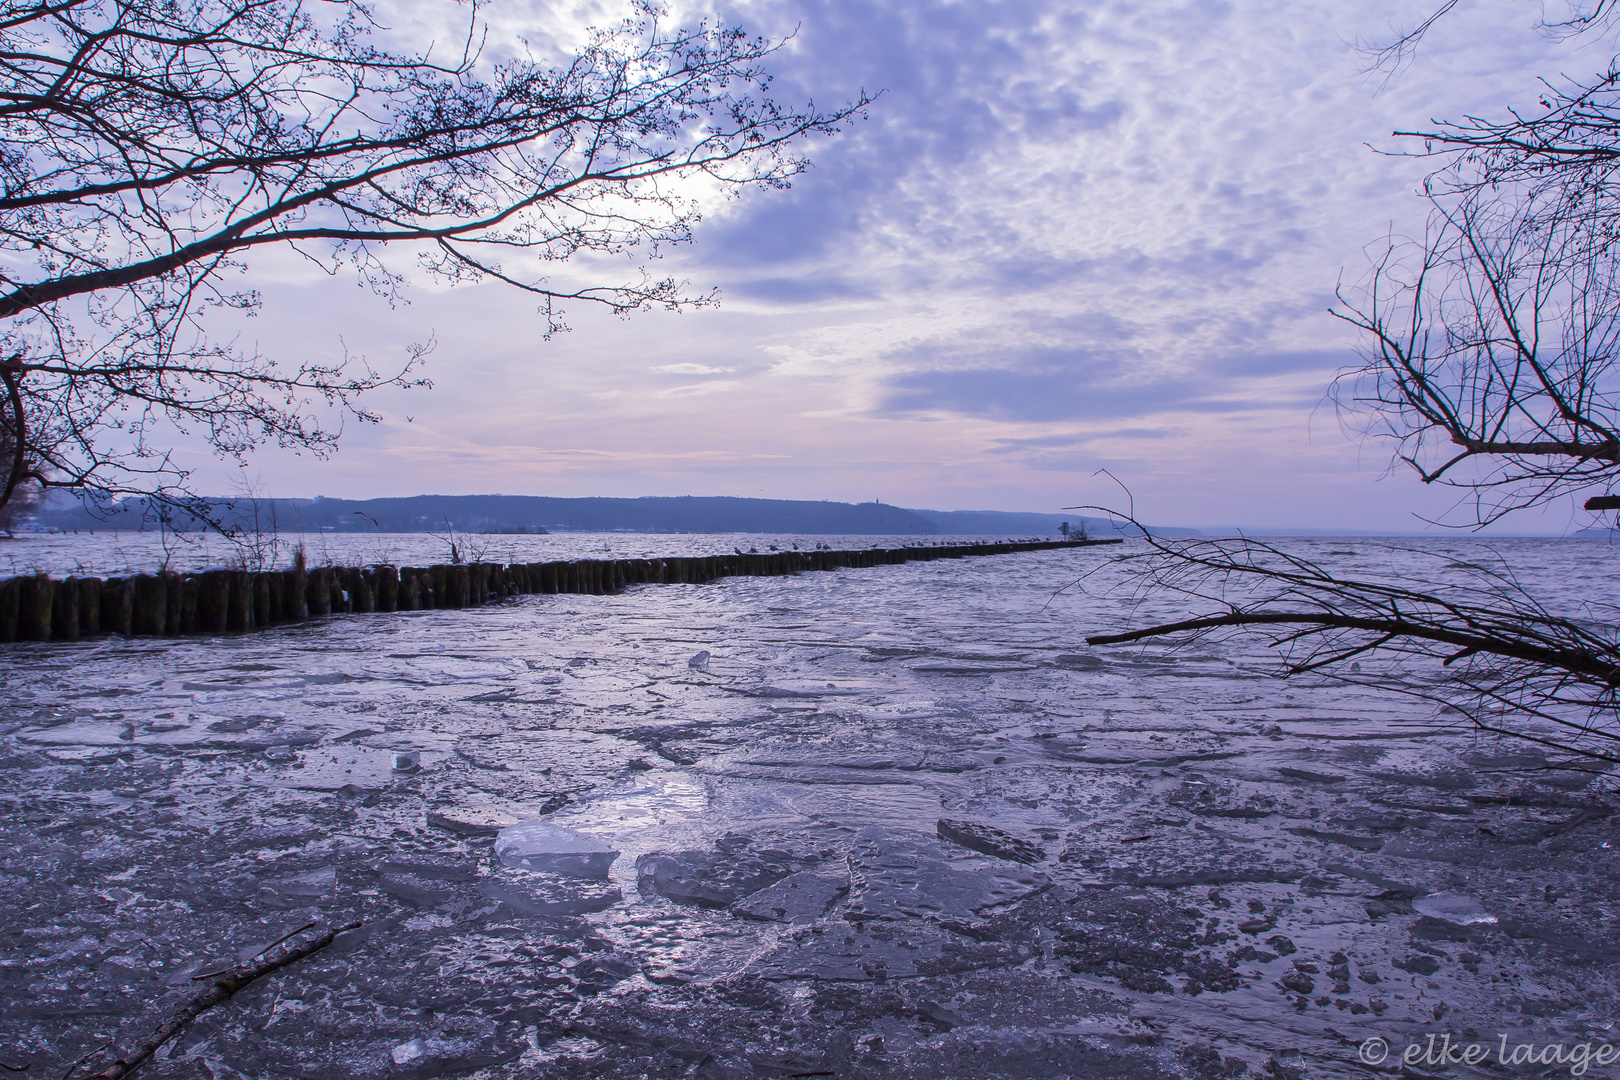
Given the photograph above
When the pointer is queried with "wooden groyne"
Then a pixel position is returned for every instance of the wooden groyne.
(42, 608)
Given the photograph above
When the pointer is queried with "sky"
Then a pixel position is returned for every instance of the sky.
(1077, 253)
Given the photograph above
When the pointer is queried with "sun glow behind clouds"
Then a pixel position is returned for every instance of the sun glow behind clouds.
(1069, 237)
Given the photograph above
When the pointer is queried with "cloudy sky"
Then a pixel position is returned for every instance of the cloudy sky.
(1071, 236)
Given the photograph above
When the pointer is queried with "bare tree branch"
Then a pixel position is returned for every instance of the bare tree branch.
(147, 147)
(1475, 641)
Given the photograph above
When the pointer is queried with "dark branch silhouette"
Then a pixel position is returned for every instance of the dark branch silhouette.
(147, 148)
(1475, 641)
(1490, 341)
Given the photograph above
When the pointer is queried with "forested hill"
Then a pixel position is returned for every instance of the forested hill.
(528, 513)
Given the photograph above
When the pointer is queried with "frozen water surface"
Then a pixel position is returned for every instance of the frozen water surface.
(1203, 871)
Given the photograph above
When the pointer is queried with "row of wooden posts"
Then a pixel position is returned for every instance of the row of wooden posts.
(42, 608)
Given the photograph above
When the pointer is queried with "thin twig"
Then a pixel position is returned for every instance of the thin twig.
(224, 986)
(255, 956)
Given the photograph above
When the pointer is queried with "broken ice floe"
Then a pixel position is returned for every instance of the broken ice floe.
(897, 874)
(1453, 908)
(990, 841)
(533, 892)
(540, 845)
(714, 879)
(472, 820)
(802, 897)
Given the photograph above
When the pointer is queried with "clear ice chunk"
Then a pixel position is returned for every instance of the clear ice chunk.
(1453, 908)
(540, 845)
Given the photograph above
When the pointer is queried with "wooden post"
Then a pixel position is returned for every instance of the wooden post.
(387, 587)
(151, 605)
(260, 584)
(65, 611)
(294, 594)
(212, 611)
(118, 606)
(239, 601)
(318, 591)
(10, 607)
(171, 603)
(89, 606)
(190, 587)
(362, 591)
(34, 623)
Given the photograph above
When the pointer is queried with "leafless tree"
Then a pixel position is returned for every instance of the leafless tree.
(1490, 347)
(1490, 341)
(1491, 353)
(1479, 643)
(148, 147)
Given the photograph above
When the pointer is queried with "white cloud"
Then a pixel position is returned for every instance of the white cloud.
(690, 369)
(1113, 205)
(700, 389)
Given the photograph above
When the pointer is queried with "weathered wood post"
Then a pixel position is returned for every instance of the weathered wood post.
(10, 608)
(213, 610)
(151, 605)
(318, 592)
(89, 606)
(172, 589)
(295, 593)
(337, 582)
(190, 588)
(298, 598)
(35, 622)
(387, 587)
(261, 598)
(65, 610)
(118, 606)
(362, 595)
(239, 601)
